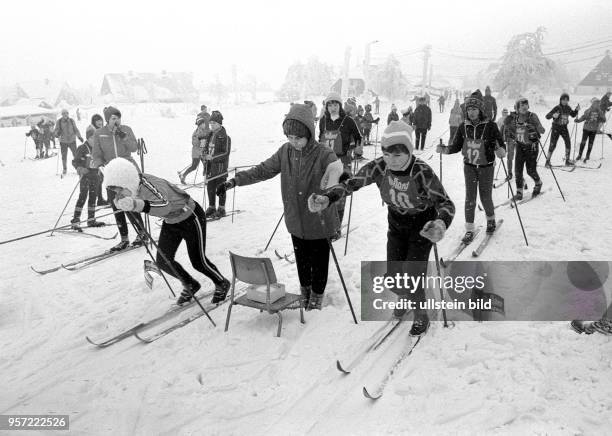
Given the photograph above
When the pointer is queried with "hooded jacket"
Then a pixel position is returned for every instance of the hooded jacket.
(349, 130)
(564, 111)
(301, 174)
(164, 200)
(484, 129)
(422, 117)
(218, 145)
(593, 116)
(108, 145)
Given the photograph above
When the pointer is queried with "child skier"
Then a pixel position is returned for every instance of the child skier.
(197, 141)
(183, 220)
(368, 121)
(560, 115)
(304, 166)
(592, 117)
(89, 186)
(36, 136)
(479, 140)
(215, 153)
(419, 210)
(524, 128)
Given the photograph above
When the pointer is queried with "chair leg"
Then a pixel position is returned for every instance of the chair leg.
(229, 313)
(280, 324)
(302, 315)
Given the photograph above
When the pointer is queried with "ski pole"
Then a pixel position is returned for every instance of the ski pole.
(172, 268)
(553, 173)
(205, 182)
(348, 225)
(25, 144)
(57, 161)
(435, 246)
(274, 232)
(575, 133)
(440, 162)
(515, 203)
(233, 200)
(544, 152)
(66, 205)
(142, 150)
(376, 140)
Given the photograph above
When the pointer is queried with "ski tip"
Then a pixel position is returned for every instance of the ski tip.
(92, 342)
(342, 370)
(142, 340)
(369, 396)
(474, 254)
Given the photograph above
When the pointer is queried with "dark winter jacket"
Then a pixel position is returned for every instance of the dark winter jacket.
(301, 174)
(564, 111)
(164, 200)
(67, 131)
(46, 127)
(369, 120)
(526, 132)
(393, 116)
(422, 117)
(108, 145)
(218, 145)
(592, 118)
(467, 141)
(82, 158)
(490, 107)
(349, 130)
(407, 193)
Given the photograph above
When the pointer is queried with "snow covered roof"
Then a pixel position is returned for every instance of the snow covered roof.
(23, 110)
(167, 87)
(601, 75)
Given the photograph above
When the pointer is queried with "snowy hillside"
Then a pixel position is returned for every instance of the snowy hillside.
(489, 378)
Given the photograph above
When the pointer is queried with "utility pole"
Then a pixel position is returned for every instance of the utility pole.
(426, 56)
(345, 74)
(430, 74)
(366, 65)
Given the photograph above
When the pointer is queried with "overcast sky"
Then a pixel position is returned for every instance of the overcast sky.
(80, 41)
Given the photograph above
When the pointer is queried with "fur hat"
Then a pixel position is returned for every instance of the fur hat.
(397, 133)
(475, 100)
(123, 173)
(216, 117)
(110, 111)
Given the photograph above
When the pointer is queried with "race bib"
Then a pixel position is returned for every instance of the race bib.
(333, 140)
(396, 191)
(474, 152)
(521, 134)
(563, 119)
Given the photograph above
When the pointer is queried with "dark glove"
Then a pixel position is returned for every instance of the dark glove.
(120, 133)
(81, 171)
(343, 177)
(376, 120)
(225, 186)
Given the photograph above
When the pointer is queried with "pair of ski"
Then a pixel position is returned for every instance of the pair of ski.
(566, 168)
(511, 202)
(374, 343)
(288, 257)
(86, 261)
(603, 326)
(43, 157)
(445, 262)
(87, 234)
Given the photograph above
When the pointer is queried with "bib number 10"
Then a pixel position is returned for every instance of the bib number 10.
(400, 199)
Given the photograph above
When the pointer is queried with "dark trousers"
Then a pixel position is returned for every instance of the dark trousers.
(554, 137)
(312, 260)
(587, 134)
(134, 217)
(405, 244)
(88, 189)
(526, 156)
(194, 166)
(478, 180)
(99, 191)
(366, 134)
(64, 146)
(420, 134)
(192, 230)
(211, 187)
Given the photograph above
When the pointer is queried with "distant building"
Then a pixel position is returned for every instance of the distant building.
(599, 80)
(149, 87)
(25, 115)
(43, 93)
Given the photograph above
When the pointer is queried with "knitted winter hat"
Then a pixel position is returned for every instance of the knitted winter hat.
(406, 110)
(475, 100)
(123, 173)
(296, 128)
(299, 116)
(110, 111)
(520, 101)
(216, 117)
(333, 96)
(397, 133)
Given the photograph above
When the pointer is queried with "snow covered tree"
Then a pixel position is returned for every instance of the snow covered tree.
(312, 78)
(524, 65)
(388, 79)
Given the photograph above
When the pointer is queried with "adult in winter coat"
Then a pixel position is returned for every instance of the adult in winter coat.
(490, 105)
(454, 120)
(560, 115)
(96, 122)
(109, 142)
(67, 132)
(407, 116)
(215, 154)
(305, 167)
(197, 143)
(479, 140)
(183, 217)
(525, 129)
(89, 185)
(422, 122)
(419, 210)
(393, 116)
(441, 101)
(592, 118)
(337, 131)
(377, 105)
(368, 119)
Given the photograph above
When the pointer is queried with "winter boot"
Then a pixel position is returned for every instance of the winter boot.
(537, 189)
(220, 212)
(75, 225)
(569, 162)
(64, 172)
(585, 159)
(220, 291)
(305, 291)
(579, 157)
(420, 325)
(315, 302)
(121, 245)
(102, 202)
(491, 226)
(468, 237)
(140, 241)
(188, 292)
(519, 195)
(547, 164)
(94, 223)
(510, 175)
(210, 212)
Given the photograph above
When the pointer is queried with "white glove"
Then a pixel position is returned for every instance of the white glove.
(434, 230)
(500, 152)
(556, 115)
(317, 203)
(126, 203)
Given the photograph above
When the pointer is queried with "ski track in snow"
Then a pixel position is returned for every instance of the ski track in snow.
(492, 378)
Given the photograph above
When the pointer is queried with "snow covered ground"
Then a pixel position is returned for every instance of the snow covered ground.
(490, 378)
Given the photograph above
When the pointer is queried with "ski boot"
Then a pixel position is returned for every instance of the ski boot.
(468, 237)
(94, 223)
(569, 162)
(64, 172)
(188, 292)
(103, 202)
(537, 189)
(585, 159)
(210, 212)
(509, 176)
(220, 291)
(74, 225)
(181, 177)
(220, 212)
(491, 226)
(420, 325)
(547, 164)
(305, 291)
(140, 241)
(603, 326)
(518, 196)
(315, 302)
(120, 246)
(582, 326)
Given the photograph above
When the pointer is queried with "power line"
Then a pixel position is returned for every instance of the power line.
(578, 48)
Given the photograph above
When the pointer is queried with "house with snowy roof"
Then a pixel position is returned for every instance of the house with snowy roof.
(599, 80)
(44, 93)
(166, 87)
